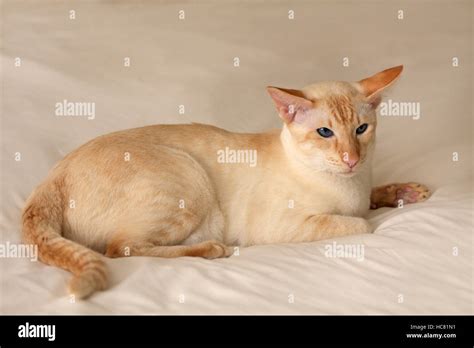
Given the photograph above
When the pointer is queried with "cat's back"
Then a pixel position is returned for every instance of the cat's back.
(142, 141)
(201, 142)
(171, 135)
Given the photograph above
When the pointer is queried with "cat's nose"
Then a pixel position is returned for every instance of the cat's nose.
(351, 161)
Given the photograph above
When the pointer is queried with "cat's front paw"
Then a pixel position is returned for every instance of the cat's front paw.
(364, 226)
(360, 226)
(394, 194)
(413, 193)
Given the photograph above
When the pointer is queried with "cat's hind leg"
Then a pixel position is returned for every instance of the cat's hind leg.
(392, 195)
(194, 231)
(167, 208)
(182, 233)
(210, 249)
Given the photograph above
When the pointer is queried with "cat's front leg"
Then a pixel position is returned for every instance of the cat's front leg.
(394, 194)
(325, 226)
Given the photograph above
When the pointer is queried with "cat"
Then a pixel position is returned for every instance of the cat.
(160, 190)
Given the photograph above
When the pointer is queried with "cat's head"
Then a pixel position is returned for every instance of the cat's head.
(330, 126)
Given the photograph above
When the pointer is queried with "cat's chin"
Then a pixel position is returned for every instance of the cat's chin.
(342, 174)
(346, 174)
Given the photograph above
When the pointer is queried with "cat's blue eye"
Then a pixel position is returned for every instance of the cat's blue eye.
(362, 128)
(325, 132)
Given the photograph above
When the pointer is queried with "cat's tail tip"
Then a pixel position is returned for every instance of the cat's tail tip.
(89, 281)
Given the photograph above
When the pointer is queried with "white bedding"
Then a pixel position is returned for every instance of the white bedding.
(419, 260)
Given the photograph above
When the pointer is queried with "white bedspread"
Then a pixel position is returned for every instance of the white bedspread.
(419, 260)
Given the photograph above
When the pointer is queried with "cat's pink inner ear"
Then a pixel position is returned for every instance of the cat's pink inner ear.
(288, 102)
(374, 100)
(374, 85)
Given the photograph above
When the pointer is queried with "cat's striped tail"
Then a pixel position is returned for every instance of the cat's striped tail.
(42, 225)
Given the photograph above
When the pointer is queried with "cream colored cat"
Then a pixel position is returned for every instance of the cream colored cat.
(163, 190)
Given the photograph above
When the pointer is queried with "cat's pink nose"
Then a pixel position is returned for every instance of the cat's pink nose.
(351, 162)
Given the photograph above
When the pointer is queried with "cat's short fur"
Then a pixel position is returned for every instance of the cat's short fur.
(161, 190)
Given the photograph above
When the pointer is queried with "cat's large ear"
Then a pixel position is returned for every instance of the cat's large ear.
(288, 102)
(373, 86)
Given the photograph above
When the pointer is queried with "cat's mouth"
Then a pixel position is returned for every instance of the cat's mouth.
(348, 174)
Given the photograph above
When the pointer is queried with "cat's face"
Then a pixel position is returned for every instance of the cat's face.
(336, 134)
(331, 126)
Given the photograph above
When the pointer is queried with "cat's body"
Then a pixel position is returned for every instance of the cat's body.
(245, 195)
(162, 190)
